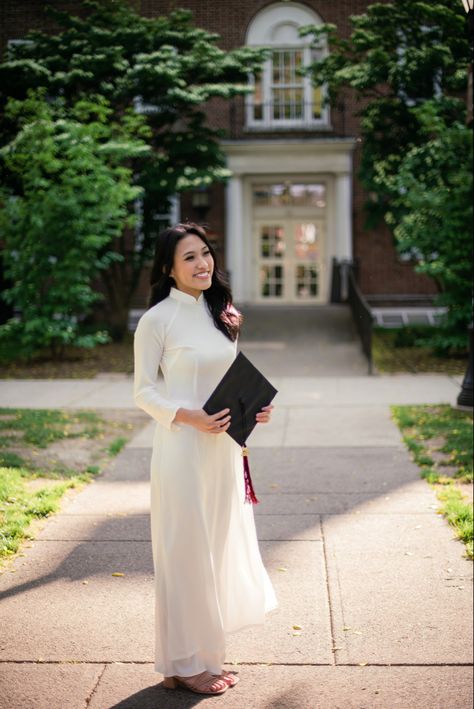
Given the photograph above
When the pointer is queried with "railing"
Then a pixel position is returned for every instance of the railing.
(345, 289)
(274, 116)
(363, 317)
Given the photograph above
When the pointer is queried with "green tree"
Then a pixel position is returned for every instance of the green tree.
(68, 203)
(164, 62)
(434, 196)
(398, 57)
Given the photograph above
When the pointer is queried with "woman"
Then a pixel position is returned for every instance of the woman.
(209, 575)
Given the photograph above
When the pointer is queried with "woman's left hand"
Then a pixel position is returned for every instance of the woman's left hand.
(264, 415)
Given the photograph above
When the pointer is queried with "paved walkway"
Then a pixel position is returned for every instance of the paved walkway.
(349, 534)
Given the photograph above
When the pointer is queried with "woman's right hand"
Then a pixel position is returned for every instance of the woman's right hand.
(207, 423)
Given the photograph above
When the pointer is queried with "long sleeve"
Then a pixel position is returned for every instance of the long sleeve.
(148, 350)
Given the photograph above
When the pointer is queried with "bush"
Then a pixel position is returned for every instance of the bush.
(67, 200)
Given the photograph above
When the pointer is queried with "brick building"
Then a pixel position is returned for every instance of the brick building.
(294, 201)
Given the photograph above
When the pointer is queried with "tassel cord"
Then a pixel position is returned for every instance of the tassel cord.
(250, 495)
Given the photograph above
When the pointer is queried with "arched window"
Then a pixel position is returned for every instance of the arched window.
(283, 98)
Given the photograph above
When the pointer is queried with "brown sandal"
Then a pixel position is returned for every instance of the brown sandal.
(201, 683)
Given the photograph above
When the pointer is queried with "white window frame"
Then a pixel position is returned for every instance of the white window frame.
(275, 27)
(267, 120)
(15, 43)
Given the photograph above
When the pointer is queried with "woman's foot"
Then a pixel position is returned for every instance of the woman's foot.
(229, 677)
(203, 683)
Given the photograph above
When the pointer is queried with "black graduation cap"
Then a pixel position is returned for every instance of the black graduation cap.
(244, 390)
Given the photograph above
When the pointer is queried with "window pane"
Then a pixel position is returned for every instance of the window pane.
(271, 281)
(298, 194)
(272, 244)
(307, 239)
(306, 282)
(308, 195)
(269, 195)
(278, 103)
(258, 99)
(287, 90)
(276, 57)
(287, 73)
(317, 102)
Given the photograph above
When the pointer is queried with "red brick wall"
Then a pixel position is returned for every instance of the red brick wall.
(380, 269)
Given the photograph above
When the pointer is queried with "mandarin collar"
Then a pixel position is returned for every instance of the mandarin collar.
(185, 297)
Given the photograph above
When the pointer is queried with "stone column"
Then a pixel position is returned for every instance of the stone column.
(343, 213)
(234, 247)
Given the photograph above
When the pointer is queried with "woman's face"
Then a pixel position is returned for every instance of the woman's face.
(193, 265)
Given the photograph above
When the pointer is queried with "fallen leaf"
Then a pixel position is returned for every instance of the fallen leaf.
(297, 627)
(296, 634)
(336, 648)
(358, 632)
(347, 627)
(282, 568)
(85, 582)
(118, 573)
(409, 553)
(362, 664)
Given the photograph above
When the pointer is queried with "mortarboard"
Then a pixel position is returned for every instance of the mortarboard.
(244, 390)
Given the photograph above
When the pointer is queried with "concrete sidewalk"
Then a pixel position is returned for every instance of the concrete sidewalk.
(349, 534)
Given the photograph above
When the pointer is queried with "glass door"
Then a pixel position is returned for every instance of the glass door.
(271, 260)
(289, 240)
(290, 260)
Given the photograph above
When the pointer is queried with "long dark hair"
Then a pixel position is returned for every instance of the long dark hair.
(218, 296)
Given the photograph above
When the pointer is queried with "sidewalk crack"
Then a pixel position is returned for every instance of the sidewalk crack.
(94, 688)
(326, 571)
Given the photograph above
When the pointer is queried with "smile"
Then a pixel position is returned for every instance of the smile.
(203, 275)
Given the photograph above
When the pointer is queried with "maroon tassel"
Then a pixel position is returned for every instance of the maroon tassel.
(249, 491)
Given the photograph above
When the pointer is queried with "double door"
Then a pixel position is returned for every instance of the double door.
(290, 260)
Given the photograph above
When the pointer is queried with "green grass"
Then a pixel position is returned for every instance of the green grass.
(31, 430)
(452, 430)
(40, 427)
(116, 446)
(419, 424)
(459, 515)
(18, 506)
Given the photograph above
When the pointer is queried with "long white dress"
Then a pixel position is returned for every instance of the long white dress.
(209, 576)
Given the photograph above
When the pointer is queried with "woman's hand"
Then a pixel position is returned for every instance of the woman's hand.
(264, 415)
(207, 423)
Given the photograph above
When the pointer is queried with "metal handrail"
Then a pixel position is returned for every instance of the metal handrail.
(362, 314)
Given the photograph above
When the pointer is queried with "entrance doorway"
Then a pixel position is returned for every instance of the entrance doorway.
(289, 237)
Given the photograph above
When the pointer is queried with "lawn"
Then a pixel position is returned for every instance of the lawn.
(44, 453)
(396, 350)
(441, 443)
